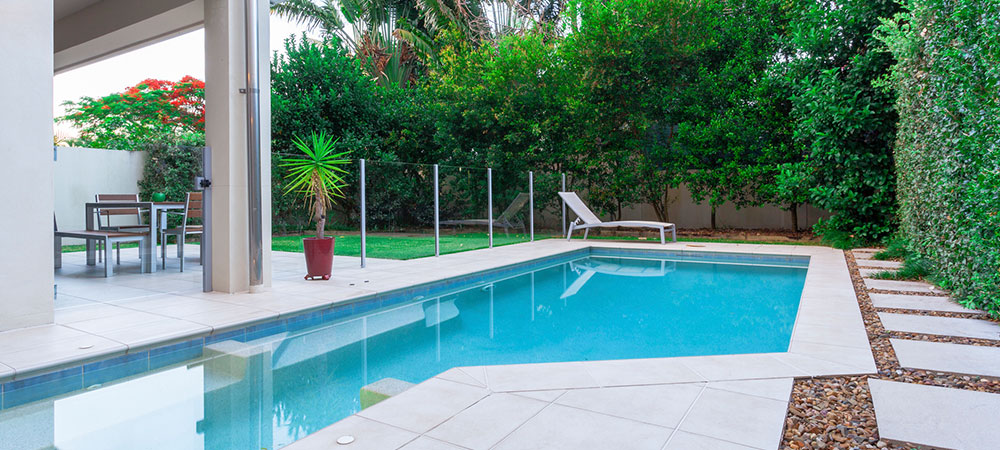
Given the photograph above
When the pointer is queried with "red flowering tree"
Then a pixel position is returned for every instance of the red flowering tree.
(150, 111)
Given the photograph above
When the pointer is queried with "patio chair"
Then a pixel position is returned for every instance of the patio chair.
(192, 210)
(107, 213)
(506, 220)
(104, 237)
(586, 219)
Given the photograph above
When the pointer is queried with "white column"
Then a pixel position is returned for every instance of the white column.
(225, 134)
(26, 271)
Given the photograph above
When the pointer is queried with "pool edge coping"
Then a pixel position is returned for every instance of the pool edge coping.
(329, 312)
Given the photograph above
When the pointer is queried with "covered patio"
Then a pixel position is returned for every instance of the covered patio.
(42, 39)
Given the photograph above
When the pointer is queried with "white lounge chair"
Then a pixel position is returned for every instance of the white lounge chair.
(586, 219)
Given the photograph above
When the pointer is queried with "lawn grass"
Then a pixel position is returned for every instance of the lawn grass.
(418, 246)
(410, 247)
(403, 247)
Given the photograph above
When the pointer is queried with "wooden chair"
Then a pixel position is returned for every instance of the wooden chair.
(104, 216)
(105, 237)
(192, 210)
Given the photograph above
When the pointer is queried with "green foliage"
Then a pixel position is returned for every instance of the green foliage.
(149, 112)
(172, 163)
(895, 249)
(504, 105)
(630, 57)
(845, 123)
(914, 268)
(948, 147)
(317, 174)
(733, 111)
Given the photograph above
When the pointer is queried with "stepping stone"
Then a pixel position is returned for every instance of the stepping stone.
(944, 326)
(902, 286)
(868, 250)
(919, 302)
(935, 416)
(878, 264)
(868, 273)
(948, 357)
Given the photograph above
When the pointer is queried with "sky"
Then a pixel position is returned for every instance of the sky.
(168, 60)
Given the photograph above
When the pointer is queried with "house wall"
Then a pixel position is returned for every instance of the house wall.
(80, 173)
(26, 178)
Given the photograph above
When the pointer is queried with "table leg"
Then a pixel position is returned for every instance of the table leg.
(149, 250)
(91, 247)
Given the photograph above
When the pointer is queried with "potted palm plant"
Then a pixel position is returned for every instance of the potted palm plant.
(318, 175)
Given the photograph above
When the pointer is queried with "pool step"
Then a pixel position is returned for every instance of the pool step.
(381, 390)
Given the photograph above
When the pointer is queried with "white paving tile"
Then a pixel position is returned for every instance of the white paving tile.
(902, 286)
(683, 440)
(737, 367)
(426, 443)
(745, 419)
(944, 326)
(368, 435)
(485, 423)
(663, 405)
(918, 302)
(874, 273)
(776, 389)
(859, 358)
(6, 371)
(545, 396)
(641, 371)
(867, 262)
(536, 377)
(960, 420)
(948, 357)
(426, 405)
(560, 427)
(459, 376)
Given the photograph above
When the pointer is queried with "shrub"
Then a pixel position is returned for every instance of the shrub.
(843, 120)
(948, 147)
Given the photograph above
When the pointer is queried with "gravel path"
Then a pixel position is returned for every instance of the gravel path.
(837, 412)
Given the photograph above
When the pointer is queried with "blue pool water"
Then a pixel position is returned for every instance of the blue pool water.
(270, 391)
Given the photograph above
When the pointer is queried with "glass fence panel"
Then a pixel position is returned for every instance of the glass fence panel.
(511, 207)
(464, 222)
(548, 205)
(399, 210)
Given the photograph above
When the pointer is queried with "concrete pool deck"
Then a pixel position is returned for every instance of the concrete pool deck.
(99, 318)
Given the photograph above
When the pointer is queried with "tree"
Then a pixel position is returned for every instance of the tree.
(843, 120)
(630, 57)
(732, 113)
(150, 111)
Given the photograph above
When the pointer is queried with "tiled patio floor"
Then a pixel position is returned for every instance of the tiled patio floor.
(97, 318)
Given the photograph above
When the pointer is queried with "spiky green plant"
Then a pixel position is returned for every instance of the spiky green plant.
(317, 174)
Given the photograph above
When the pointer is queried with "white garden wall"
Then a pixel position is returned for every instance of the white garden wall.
(80, 173)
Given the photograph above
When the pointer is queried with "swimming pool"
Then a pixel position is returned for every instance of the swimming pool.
(268, 385)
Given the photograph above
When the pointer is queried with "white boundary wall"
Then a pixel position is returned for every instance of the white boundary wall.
(80, 173)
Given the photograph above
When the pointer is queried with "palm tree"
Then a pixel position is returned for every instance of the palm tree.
(394, 36)
(367, 28)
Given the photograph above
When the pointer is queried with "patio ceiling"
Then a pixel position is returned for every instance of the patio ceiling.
(87, 31)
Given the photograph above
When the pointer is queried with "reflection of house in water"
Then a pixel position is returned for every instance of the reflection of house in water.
(271, 391)
(627, 267)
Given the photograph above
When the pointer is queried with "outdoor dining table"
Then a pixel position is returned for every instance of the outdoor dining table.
(156, 210)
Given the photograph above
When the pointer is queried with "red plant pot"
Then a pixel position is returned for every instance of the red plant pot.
(319, 257)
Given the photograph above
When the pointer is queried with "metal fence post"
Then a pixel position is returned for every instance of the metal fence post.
(563, 205)
(363, 213)
(489, 203)
(437, 217)
(531, 204)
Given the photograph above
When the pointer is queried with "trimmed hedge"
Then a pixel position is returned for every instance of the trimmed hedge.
(947, 78)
